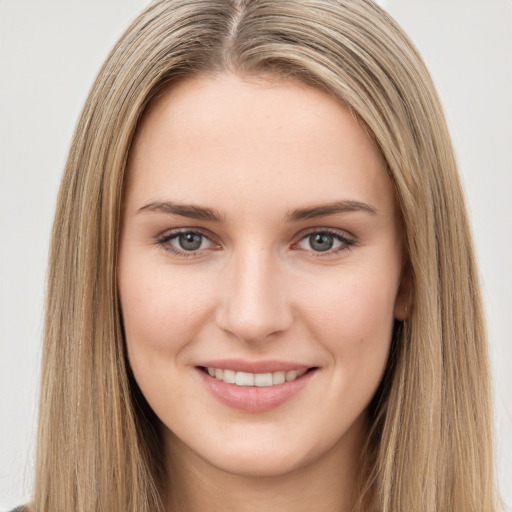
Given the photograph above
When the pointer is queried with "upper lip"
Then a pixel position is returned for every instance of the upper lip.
(240, 365)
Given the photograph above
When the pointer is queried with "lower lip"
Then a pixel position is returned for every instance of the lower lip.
(253, 398)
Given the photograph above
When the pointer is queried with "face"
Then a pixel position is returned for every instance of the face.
(259, 272)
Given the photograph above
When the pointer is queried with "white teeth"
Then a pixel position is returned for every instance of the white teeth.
(255, 379)
(244, 379)
(229, 376)
(278, 377)
(262, 379)
(295, 374)
(291, 375)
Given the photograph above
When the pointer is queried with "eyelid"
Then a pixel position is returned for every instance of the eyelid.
(347, 239)
(170, 233)
(164, 238)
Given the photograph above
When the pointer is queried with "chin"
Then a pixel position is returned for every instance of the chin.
(258, 464)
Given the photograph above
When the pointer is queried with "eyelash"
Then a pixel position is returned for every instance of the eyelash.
(346, 242)
(163, 242)
(342, 237)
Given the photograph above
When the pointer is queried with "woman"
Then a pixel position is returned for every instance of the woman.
(255, 189)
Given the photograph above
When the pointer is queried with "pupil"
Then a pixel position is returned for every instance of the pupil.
(190, 241)
(321, 242)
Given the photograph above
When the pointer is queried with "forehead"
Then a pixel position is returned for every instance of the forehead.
(225, 139)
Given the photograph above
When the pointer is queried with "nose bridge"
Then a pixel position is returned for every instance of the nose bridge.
(254, 304)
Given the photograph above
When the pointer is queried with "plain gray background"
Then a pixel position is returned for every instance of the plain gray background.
(50, 52)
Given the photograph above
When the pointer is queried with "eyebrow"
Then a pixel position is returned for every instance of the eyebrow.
(202, 213)
(334, 208)
(184, 210)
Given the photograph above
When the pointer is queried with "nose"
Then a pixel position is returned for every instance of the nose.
(254, 304)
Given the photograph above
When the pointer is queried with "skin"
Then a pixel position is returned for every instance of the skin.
(255, 150)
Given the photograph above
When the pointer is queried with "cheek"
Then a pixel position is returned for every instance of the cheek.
(159, 308)
(353, 318)
(162, 311)
(358, 303)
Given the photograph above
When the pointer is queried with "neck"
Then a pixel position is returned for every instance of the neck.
(330, 483)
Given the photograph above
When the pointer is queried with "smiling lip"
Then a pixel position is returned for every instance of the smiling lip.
(239, 365)
(252, 398)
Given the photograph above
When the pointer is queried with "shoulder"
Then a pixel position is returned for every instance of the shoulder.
(20, 509)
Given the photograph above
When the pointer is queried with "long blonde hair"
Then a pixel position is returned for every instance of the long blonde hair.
(430, 447)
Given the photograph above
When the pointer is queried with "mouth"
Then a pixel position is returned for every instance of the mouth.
(267, 379)
(269, 385)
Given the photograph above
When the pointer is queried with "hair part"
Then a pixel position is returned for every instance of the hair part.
(430, 446)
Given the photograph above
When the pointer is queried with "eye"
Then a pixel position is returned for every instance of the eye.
(185, 242)
(325, 241)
